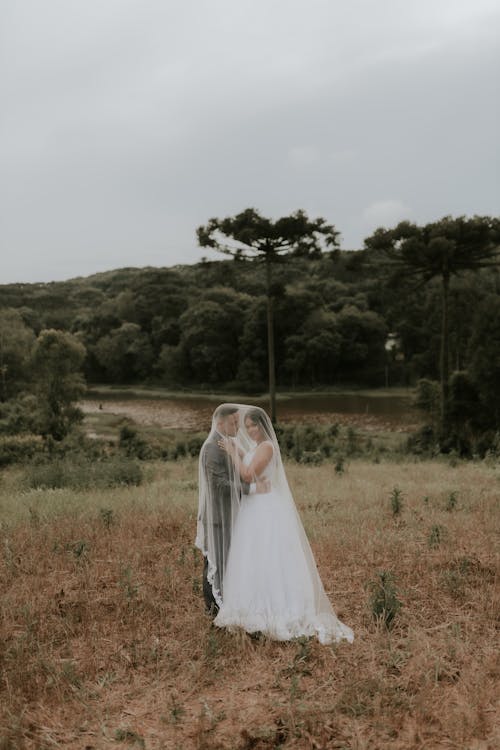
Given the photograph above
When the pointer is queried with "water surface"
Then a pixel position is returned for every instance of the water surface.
(195, 412)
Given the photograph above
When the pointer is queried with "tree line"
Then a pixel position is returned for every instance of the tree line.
(370, 317)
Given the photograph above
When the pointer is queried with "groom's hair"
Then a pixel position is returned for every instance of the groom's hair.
(224, 411)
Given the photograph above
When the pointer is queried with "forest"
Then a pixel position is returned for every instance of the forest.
(340, 319)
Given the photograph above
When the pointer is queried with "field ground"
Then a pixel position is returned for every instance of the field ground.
(105, 643)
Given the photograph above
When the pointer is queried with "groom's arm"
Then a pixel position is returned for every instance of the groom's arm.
(217, 468)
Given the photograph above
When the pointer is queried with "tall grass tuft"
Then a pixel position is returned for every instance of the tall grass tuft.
(384, 600)
(107, 516)
(451, 502)
(436, 535)
(340, 465)
(396, 501)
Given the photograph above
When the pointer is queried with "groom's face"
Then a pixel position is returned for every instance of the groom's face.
(229, 425)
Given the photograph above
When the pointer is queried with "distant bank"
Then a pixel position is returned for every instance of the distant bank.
(378, 408)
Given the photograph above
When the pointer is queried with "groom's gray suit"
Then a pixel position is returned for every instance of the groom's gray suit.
(221, 480)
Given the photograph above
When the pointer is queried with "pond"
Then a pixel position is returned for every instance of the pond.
(370, 411)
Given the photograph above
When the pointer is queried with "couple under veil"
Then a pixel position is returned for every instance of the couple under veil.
(259, 571)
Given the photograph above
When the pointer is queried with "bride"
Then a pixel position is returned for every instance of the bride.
(271, 583)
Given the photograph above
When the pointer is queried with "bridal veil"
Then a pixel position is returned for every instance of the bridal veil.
(216, 523)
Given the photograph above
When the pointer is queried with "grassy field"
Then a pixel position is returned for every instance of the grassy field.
(105, 643)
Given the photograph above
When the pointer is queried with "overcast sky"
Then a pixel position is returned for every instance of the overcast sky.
(125, 124)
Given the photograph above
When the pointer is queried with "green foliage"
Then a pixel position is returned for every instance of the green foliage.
(176, 710)
(80, 548)
(16, 341)
(427, 397)
(125, 354)
(396, 501)
(484, 354)
(422, 442)
(248, 234)
(340, 465)
(19, 448)
(130, 737)
(436, 535)
(314, 444)
(209, 357)
(332, 312)
(384, 600)
(450, 245)
(440, 250)
(305, 443)
(352, 441)
(57, 360)
(82, 474)
(362, 335)
(451, 501)
(107, 517)
(21, 414)
(193, 445)
(133, 445)
(312, 457)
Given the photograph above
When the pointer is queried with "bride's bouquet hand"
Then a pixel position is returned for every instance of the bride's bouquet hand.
(228, 446)
(263, 486)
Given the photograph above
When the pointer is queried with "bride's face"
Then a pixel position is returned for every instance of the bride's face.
(253, 430)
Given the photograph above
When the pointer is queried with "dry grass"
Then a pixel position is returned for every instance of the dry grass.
(104, 641)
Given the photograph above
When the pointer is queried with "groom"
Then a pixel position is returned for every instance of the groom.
(222, 485)
(216, 466)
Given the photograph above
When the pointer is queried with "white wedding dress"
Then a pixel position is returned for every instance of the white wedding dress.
(271, 583)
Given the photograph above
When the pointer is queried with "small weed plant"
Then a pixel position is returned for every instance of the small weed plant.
(451, 502)
(384, 600)
(396, 501)
(436, 535)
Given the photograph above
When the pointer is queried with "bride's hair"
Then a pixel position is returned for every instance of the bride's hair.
(258, 417)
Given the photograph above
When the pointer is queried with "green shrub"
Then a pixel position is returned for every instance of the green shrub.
(194, 445)
(340, 465)
(133, 445)
(180, 450)
(427, 397)
(20, 415)
(19, 448)
(312, 457)
(83, 474)
(352, 441)
(307, 443)
(333, 430)
(423, 442)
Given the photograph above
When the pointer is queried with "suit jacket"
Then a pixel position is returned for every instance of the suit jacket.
(220, 477)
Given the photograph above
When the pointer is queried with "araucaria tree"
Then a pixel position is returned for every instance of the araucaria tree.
(442, 249)
(250, 236)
